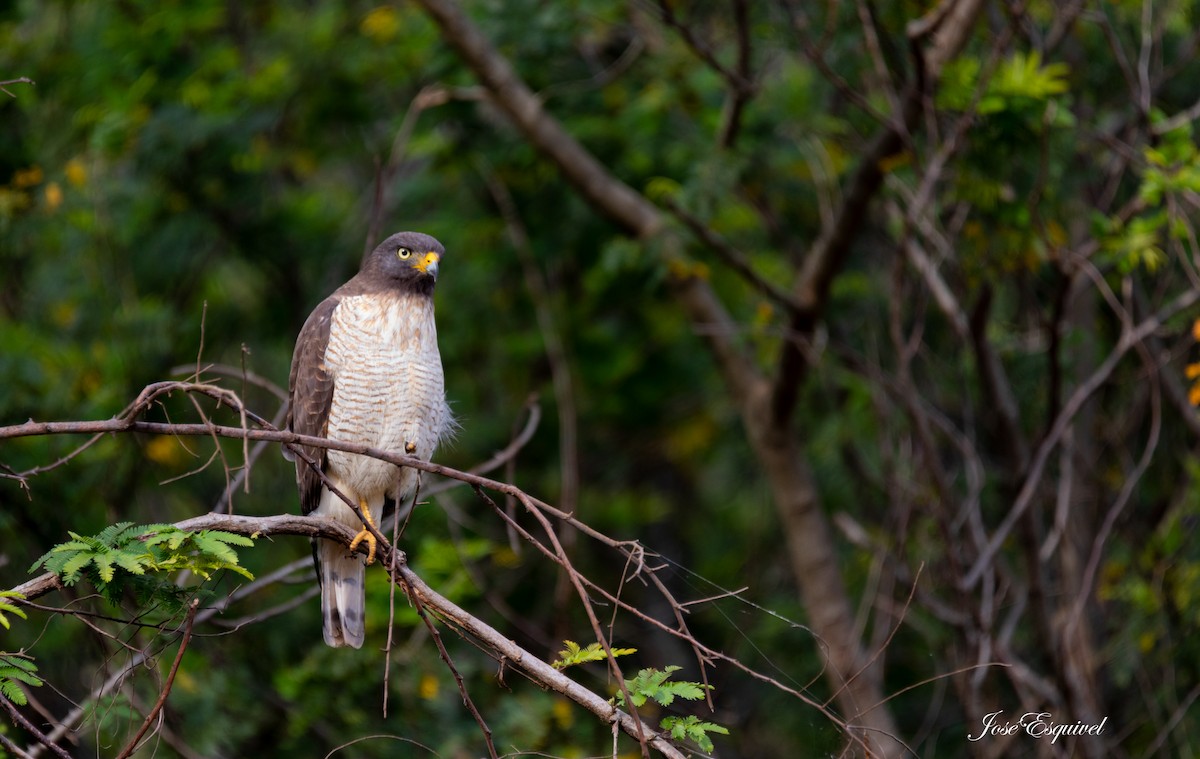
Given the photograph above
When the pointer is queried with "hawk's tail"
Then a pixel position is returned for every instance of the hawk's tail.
(343, 594)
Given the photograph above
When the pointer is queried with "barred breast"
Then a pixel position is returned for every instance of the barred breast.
(388, 389)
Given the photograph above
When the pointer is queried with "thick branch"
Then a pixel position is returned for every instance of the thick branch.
(830, 252)
(617, 200)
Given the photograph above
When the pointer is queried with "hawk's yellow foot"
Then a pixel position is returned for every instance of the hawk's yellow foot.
(365, 534)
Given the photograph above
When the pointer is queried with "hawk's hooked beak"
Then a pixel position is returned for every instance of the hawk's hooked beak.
(429, 264)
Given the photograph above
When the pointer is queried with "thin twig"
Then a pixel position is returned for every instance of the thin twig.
(19, 80)
(162, 697)
(415, 598)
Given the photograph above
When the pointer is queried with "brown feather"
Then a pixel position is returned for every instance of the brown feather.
(310, 387)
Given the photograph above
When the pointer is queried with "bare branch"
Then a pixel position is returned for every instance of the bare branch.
(20, 80)
(702, 50)
(618, 201)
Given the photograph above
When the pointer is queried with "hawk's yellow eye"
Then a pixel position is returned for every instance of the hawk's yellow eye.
(404, 253)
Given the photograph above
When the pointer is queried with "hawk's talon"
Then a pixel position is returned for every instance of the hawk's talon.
(365, 534)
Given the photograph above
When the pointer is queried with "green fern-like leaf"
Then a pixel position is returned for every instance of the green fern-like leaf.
(14, 670)
(131, 563)
(574, 654)
(7, 608)
(113, 534)
(655, 685)
(72, 565)
(694, 729)
(123, 552)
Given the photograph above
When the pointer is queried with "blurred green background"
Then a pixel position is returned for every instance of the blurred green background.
(186, 180)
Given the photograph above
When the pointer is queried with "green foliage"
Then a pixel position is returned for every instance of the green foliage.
(1172, 165)
(1136, 244)
(7, 608)
(138, 550)
(692, 728)
(205, 552)
(656, 685)
(14, 670)
(573, 654)
(1171, 172)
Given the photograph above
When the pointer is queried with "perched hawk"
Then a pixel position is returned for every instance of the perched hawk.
(366, 370)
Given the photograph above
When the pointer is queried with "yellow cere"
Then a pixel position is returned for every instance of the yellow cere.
(429, 259)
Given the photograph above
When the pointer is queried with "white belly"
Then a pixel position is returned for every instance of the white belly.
(388, 392)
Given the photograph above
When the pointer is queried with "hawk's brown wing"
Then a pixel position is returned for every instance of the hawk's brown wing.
(311, 389)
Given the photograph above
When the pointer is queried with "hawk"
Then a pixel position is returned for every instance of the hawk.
(367, 370)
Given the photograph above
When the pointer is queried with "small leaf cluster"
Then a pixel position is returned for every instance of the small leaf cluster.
(1020, 81)
(1172, 168)
(141, 551)
(575, 654)
(14, 670)
(656, 685)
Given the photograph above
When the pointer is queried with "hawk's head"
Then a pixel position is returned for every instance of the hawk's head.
(407, 260)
